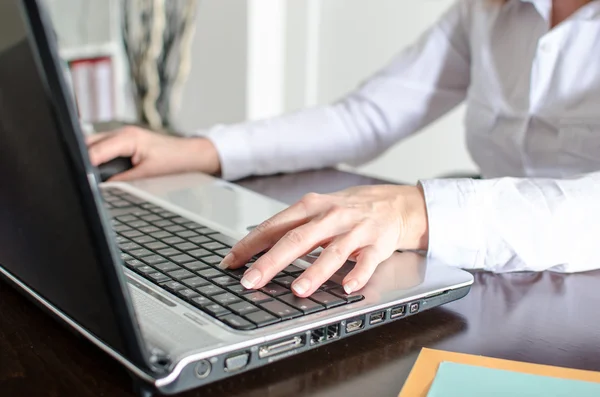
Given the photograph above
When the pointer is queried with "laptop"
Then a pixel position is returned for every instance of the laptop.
(132, 266)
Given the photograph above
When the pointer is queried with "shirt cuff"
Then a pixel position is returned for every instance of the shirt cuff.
(234, 150)
(456, 233)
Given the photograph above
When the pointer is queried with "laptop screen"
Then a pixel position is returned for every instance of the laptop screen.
(51, 237)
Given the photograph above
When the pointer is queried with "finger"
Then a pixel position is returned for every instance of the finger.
(117, 145)
(294, 244)
(272, 230)
(331, 259)
(97, 137)
(367, 261)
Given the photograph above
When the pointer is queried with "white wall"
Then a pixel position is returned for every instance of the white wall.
(357, 37)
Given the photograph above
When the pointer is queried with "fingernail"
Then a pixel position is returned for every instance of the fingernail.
(301, 286)
(226, 262)
(350, 286)
(251, 278)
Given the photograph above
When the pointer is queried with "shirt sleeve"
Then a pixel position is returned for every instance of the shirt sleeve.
(511, 224)
(421, 84)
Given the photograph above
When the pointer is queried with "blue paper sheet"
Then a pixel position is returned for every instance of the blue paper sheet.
(460, 380)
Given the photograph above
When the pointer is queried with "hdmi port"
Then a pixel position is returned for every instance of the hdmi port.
(281, 347)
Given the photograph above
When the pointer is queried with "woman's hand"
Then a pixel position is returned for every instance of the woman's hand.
(153, 154)
(366, 224)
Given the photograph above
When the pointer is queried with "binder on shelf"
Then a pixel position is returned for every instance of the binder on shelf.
(93, 83)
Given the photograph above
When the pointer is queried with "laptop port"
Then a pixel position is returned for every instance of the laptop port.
(398, 311)
(377, 318)
(280, 346)
(333, 331)
(237, 362)
(414, 307)
(355, 325)
(318, 336)
(203, 369)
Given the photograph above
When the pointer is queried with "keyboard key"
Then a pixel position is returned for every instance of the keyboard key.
(143, 239)
(149, 206)
(194, 282)
(213, 246)
(173, 286)
(210, 273)
(211, 260)
(182, 258)
(175, 228)
(187, 293)
(199, 239)
(158, 277)
(120, 204)
(138, 212)
(165, 213)
(129, 246)
(193, 225)
(125, 256)
(327, 299)
(237, 273)
(121, 228)
(181, 274)
(169, 252)
(134, 263)
(217, 310)
(327, 285)
(239, 289)
(221, 238)
(210, 290)
(122, 240)
(150, 229)
(173, 240)
(225, 281)
(161, 235)
(226, 299)
(151, 218)
(222, 252)
(132, 233)
(286, 281)
(305, 305)
(274, 289)
(153, 259)
(339, 292)
(293, 270)
(180, 220)
(261, 318)
(140, 253)
(243, 307)
(187, 234)
(202, 301)
(126, 218)
(144, 270)
(166, 266)
(199, 253)
(186, 246)
(238, 322)
(195, 266)
(280, 309)
(156, 246)
(138, 224)
(163, 223)
(258, 297)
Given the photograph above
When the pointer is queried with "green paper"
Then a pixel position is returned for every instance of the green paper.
(460, 380)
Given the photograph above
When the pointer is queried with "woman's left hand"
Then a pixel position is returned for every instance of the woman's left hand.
(366, 224)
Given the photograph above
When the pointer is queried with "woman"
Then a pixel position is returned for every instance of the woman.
(529, 71)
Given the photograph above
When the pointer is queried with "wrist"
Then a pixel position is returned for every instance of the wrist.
(205, 155)
(416, 220)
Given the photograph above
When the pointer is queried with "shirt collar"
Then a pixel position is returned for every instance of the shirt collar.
(544, 7)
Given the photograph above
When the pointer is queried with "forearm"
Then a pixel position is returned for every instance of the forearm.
(513, 224)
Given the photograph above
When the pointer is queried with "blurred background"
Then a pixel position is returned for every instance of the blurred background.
(251, 59)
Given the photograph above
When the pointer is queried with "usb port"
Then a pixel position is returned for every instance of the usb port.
(377, 318)
(333, 331)
(398, 311)
(355, 325)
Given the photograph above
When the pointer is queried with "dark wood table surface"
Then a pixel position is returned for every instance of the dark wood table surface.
(542, 318)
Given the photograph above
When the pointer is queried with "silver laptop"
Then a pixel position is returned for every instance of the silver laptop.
(132, 267)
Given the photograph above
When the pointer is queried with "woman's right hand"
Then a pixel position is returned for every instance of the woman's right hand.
(153, 154)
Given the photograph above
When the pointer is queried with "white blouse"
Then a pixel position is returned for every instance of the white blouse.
(532, 126)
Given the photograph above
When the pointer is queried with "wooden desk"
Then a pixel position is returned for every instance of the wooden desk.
(542, 318)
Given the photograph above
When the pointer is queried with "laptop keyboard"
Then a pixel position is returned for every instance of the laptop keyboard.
(182, 257)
